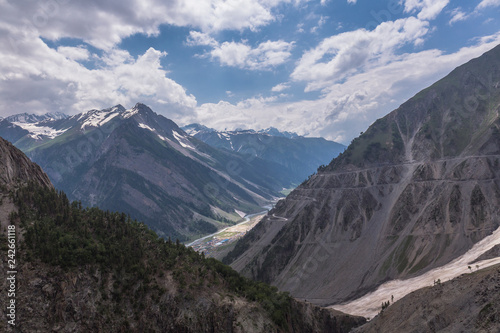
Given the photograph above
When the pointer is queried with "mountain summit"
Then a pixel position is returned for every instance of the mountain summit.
(418, 189)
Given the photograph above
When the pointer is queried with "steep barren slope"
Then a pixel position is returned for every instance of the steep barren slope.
(413, 192)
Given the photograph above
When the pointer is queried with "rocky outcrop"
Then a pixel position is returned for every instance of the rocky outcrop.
(16, 168)
(415, 191)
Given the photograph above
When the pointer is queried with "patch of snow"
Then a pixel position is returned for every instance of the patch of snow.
(98, 118)
(370, 304)
(183, 141)
(130, 113)
(85, 114)
(192, 132)
(36, 131)
(163, 138)
(141, 125)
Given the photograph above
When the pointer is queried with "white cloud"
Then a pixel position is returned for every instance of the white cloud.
(348, 107)
(36, 78)
(239, 54)
(322, 20)
(280, 87)
(429, 9)
(342, 55)
(457, 15)
(352, 1)
(74, 53)
(104, 24)
(199, 38)
(488, 3)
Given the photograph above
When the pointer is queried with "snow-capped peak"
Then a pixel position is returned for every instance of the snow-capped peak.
(97, 118)
(193, 129)
(275, 132)
(34, 118)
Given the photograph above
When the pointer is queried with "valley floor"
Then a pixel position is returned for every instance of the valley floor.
(218, 244)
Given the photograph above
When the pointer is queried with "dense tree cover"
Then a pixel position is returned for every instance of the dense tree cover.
(65, 234)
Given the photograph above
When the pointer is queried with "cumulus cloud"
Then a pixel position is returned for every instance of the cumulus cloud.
(49, 79)
(488, 3)
(37, 78)
(104, 24)
(344, 54)
(74, 53)
(428, 9)
(197, 38)
(265, 56)
(322, 20)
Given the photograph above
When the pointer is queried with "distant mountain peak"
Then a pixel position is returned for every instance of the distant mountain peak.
(97, 118)
(139, 108)
(276, 132)
(34, 118)
(116, 108)
(195, 128)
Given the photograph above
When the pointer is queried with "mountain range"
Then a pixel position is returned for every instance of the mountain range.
(142, 163)
(415, 191)
(297, 155)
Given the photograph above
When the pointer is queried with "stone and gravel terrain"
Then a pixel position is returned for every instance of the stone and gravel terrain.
(469, 303)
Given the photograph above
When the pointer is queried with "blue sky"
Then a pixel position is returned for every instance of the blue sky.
(317, 67)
